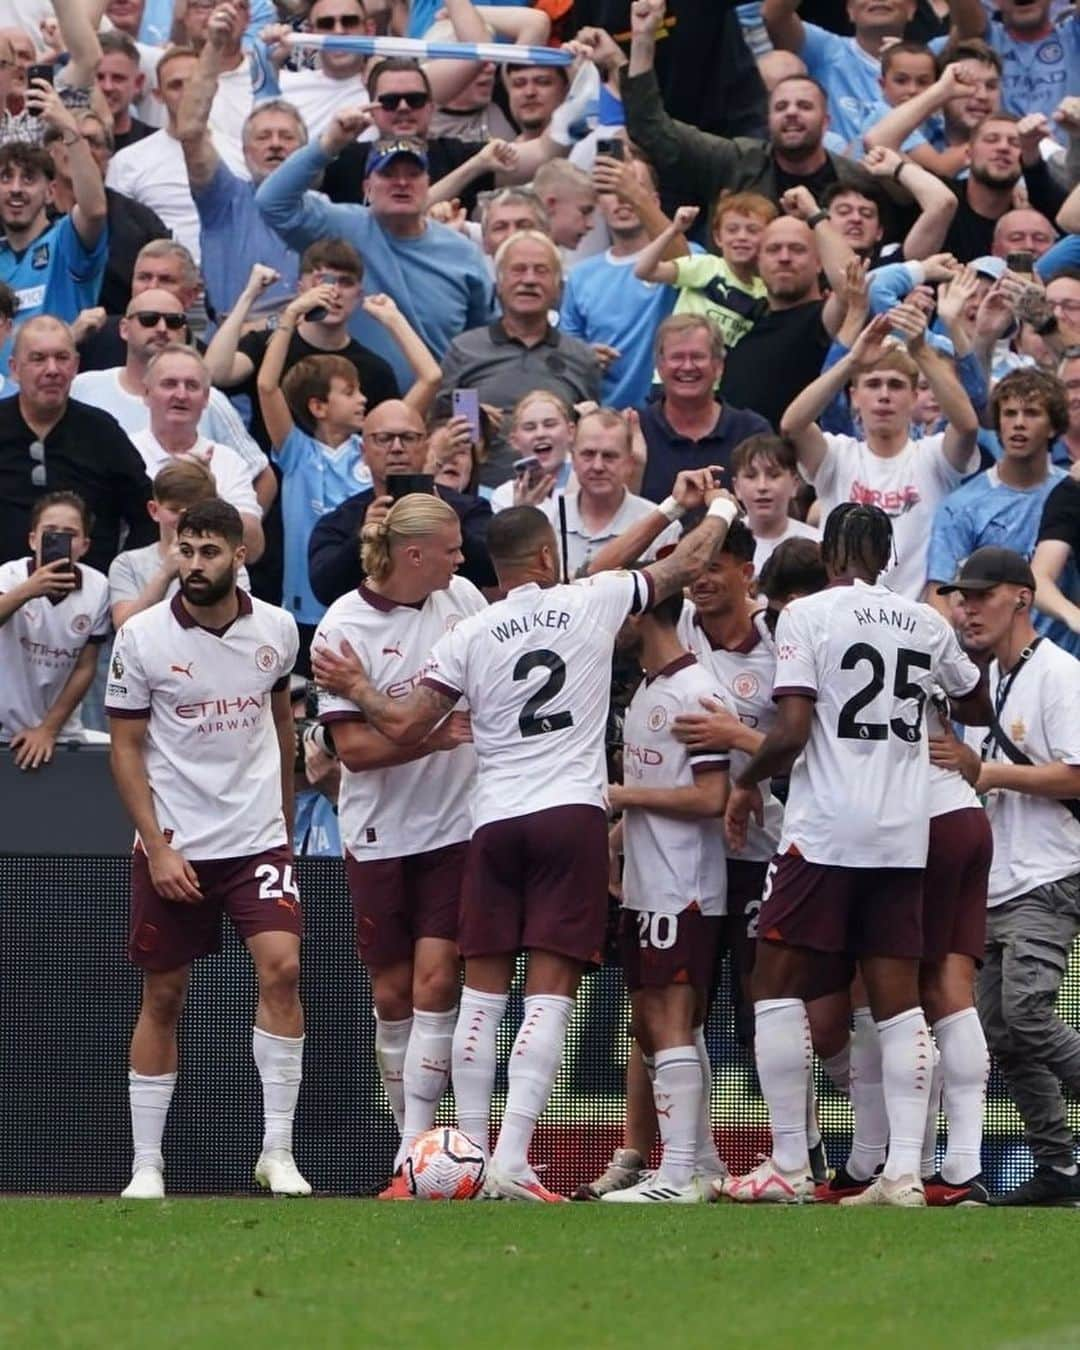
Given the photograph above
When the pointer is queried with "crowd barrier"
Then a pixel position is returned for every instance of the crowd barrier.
(68, 999)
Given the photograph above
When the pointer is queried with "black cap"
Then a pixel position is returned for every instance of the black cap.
(990, 567)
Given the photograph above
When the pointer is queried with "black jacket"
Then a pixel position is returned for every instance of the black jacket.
(334, 549)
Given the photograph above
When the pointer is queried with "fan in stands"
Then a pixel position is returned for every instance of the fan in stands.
(445, 1164)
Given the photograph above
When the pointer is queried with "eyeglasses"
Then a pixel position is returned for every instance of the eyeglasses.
(1066, 306)
(37, 457)
(391, 102)
(384, 439)
(150, 318)
(348, 23)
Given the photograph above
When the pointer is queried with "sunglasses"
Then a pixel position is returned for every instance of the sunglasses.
(150, 318)
(37, 457)
(349, 23)
(391, 102)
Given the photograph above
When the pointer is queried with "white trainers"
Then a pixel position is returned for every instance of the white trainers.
(276, 1171)
(624, 1169)
(904, 1193)
(768, 1185)
(657, 1190)
(147, 1183)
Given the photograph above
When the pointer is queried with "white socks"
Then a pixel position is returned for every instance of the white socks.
(867, 1100)
(838, 1069)
(149, 1097)
(534, 1062)
(965, 1064)
(907, 1065)
(391, 1043)
(708, 1160)
(473, 1057)
(784, 1053)
(427, 1070)
(677, 1093)
(279, 1060)
(933, 1112)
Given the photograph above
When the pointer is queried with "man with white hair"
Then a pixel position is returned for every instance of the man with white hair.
(520, 351)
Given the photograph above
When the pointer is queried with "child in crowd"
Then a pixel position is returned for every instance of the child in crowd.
(541, 428)
(54, 613)
(765, 478)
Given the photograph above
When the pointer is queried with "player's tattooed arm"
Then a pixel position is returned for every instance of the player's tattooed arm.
(405, 720)
(687, 494)
(695, 551)
(777, 753)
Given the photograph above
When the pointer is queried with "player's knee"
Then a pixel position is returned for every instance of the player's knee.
(435, 990)
(279, 977)
(163, 1001)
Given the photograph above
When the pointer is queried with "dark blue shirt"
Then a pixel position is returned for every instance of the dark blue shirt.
(670, 452)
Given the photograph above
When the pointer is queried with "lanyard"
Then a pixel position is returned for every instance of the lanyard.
(1004, 688)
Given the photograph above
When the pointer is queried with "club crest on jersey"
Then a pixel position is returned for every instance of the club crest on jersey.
(1049, 53)
(745, 684)
(452, 621)
(81, 623)
(266, 658)
(40, 257)
(657, 719)
(117, 667)
(1017, 729)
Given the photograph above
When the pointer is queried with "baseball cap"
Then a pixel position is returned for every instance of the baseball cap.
(989, 567)
(988, 266)
(383, 153)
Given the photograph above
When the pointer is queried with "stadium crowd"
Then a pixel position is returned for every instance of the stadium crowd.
(323, 366)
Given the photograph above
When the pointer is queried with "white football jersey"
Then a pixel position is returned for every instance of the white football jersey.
(1036, 839)
(211, 748)
(949, 790)
(670, 861)
(41, 642)
(425, 804)
(859, 794)
(535, 670)
(746, 675)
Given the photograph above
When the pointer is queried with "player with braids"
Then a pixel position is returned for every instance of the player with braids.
(858, 540)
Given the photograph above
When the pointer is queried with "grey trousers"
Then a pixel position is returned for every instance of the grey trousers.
(1028, 941)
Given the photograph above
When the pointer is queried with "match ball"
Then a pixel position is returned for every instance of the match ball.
(445, 1164)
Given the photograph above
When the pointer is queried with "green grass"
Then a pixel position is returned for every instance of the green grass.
(210, 1273)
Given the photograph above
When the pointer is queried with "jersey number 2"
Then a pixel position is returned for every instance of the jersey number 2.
(532, 722)
(849, 727)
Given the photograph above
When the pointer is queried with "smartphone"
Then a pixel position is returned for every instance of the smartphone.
(613, 148)
(466, 403)
(1022, 261)
(718, 477)
(40, 72)
(55, 545)
(401, 484)
(528, 468)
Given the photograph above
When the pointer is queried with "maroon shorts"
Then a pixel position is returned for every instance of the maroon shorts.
(537, 882)
(954, 889)
(745, 887)
(258, 893)
(396, 901)
(856, 911)
(661, 949)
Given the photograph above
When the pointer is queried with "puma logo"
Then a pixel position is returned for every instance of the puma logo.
(395, 650)
(184, 670)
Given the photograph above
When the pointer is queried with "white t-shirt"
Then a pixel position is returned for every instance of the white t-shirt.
(40, 644)
(220, 422)
(230, 472)
(908, 487)
(745, 674)
(318, 97)
(211, 750)
(670, 861)
(949, 791)
(582, 545)
(859, 794)
(153, 172)
(793, 529)
(426, 804)
(535, 670)
(1036, 839)
(131, 570)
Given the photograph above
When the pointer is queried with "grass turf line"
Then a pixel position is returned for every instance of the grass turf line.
(222, 1273)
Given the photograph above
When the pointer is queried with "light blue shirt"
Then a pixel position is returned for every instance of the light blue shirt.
(157, 20)
(438, 279)
(232, 234)
(984, 511)
(850, 76)
(55, 275)
(315, 478)
(316, 833)
(604, 302)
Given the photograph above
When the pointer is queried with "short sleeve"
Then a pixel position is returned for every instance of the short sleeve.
(290, 647)
(1061, 515)
(695, 273)
(123, 584)
(820, 48)
(957, 674)
(612, 596)
(233, 483)
(833, 465)
(447, 666)
(935, 462)
(1061, 714)
(102, 624)
(704, 759)
(796, 669)
(668, 539)
(290, 454)
(334, 707)
(950, 540)
(127, 693)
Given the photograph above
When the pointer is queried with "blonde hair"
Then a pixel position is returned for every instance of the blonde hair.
(540, 396)
(412, 517)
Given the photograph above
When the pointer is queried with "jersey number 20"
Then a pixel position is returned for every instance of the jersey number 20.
(861, 653)
(532, 722)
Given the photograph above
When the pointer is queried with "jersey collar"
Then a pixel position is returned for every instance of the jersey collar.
(744, 648)
(673, 667)
(383, 604)
(184, 619)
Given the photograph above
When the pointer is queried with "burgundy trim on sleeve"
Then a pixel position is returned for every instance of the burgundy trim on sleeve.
(341, 716)
(126, 712)
(650, 598)
(280, 684)
(446, 689)
(709, 761)
(96, 639)
(789, 690)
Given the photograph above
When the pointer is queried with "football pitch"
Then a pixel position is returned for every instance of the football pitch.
(327, 1273)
